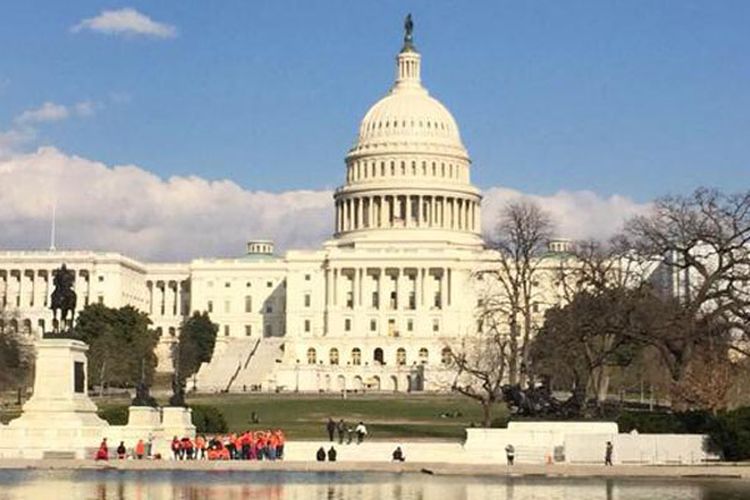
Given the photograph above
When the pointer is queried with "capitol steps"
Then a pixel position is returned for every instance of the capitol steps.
(256, 370)
(229, 357)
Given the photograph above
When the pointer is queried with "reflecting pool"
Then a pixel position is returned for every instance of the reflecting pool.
(194, 485)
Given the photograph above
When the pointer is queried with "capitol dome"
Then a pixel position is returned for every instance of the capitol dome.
(407, 175)
(408, 117)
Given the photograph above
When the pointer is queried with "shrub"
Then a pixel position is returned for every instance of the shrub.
(208, 420)
(114, 415)
(730, 434)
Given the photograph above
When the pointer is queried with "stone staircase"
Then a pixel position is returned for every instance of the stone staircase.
(239, 365)
(258, 366)
(229, 357)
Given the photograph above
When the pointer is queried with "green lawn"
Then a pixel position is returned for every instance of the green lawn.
(386, 416)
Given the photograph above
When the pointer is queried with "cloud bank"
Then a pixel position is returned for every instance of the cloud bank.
(127, 209)
(127, 22)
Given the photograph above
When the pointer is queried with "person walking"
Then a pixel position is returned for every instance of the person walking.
(341, 429)
(608, 453)
(331, 428)
(361, 431)
(140, 449)
(121, 451)
(510, 453)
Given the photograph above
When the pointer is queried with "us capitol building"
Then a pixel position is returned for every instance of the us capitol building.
(374, 308)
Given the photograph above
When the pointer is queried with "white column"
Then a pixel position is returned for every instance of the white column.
(381, 277)
(361, 286)
(450, 286)
(407, 217)
(335, 286)
(421, 275)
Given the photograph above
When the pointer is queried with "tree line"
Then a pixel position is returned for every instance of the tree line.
(667, 299)
(122, 344)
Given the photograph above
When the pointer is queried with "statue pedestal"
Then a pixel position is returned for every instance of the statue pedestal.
(59, 419)
(143, 416)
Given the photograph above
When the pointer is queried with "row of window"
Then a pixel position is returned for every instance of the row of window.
(268, 307)
(412, 123)
(248, 284)
(377, 356)
(411, 303)
(392, 330)
(363, 170)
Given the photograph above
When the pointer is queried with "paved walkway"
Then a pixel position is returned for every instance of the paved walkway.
(736, 471)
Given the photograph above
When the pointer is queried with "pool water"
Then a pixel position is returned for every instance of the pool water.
(194, 485)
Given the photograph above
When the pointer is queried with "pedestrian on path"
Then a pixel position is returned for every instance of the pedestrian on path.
(331, 428)
(341, 429)
(608, 454)
(361, 431)
(510, 453)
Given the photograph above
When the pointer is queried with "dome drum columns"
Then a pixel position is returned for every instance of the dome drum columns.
(387, 211)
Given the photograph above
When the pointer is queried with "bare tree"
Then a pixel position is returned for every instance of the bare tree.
(703, 244)
(520, 243)
(479, 363)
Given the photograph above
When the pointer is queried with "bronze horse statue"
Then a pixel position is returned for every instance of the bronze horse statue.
(63, 298)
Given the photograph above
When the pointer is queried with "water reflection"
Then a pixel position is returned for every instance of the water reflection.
(157, 485)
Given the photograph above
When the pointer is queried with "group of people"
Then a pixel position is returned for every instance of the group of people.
(249, 445)
(345, 431)
(142, 449)
(321, 454)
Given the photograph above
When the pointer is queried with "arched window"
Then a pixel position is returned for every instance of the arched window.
(333, 356)
(377, 355)
(445, 356)
(401, 356)
(424, 355)
(356, 356)
(312, 356)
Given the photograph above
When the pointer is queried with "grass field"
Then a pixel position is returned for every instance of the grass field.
(304, 416)
(386, 416)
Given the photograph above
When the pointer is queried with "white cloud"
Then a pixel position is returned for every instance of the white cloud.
(128, 209)
(47, 112)
(576, 214)
(126, 21)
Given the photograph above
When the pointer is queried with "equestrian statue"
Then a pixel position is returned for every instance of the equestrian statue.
(63, 299)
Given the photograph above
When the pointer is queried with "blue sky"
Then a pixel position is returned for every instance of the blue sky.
(638, 98)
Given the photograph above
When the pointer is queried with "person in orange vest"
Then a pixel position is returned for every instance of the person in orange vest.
(176, 448)
(187, 445)
(273, 442)
(140, 449)
(200, 447)
(260, 445)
